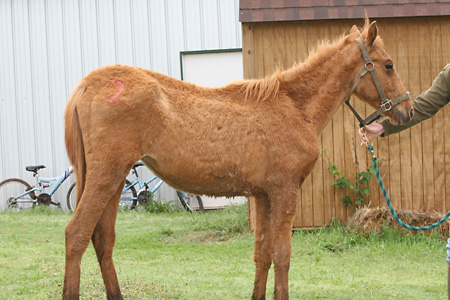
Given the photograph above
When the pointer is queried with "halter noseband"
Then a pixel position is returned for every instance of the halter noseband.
(386, 104)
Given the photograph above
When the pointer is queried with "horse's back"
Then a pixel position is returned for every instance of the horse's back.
(181, 129)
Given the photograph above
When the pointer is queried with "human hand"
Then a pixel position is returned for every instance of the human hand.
(371, 131)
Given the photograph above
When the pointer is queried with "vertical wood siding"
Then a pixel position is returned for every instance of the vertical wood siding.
(415, 164)
(48, 46)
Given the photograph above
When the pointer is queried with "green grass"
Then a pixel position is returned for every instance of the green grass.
(209, 256)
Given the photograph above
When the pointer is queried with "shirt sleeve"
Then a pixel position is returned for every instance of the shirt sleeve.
(427, 104)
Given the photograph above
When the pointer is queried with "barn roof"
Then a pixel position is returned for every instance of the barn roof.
(299, 10)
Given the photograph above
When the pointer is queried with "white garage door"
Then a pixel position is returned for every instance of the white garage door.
(213, 68)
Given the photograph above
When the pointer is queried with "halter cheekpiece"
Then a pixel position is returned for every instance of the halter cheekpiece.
(386, 104)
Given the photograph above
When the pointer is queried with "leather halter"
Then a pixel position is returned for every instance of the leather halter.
(386, 104)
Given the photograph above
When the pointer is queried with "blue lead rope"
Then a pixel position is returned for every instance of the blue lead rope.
(394, 214)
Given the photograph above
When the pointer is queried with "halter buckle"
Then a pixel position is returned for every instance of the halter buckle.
(387, 105)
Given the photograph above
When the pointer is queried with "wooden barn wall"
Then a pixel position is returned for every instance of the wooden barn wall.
(415, 164)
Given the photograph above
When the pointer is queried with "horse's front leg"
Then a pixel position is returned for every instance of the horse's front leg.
(103, 239)
(263, 254)
(282, 215)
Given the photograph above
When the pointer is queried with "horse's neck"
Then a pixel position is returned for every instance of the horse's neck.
(319, 89)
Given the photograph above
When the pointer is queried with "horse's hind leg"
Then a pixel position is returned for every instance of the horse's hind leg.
(100, 189)
(263, 254)
(103, 239)
(78, 233)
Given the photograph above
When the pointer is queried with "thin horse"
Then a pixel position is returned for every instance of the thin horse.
(231, 141)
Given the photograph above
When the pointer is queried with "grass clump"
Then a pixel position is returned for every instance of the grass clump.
(379, 219)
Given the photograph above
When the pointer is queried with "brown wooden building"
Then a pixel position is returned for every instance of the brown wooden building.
(415, 164)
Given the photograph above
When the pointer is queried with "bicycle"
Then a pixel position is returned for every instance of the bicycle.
(131, 198)
(17, 194)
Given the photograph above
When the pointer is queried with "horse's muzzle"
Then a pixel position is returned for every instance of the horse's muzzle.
(402, 116)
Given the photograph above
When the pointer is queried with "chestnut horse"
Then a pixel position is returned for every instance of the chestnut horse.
(237, 140)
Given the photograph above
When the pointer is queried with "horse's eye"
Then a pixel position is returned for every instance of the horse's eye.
(389, 66)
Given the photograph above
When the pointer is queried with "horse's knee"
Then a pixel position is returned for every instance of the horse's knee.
(262, 263)
(263, 251)
(282, 255)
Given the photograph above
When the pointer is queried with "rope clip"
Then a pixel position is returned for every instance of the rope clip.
(368, 142)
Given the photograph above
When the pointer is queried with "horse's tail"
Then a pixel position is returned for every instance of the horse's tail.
(74, 138)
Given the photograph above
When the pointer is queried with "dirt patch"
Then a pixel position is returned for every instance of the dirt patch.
(367, 220)
(202, 237)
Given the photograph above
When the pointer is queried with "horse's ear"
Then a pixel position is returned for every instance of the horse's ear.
(372, 33)
(355, 31)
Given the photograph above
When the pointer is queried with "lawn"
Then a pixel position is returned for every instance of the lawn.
(179, 255)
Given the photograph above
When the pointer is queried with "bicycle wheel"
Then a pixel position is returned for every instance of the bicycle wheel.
(72, 198)
(11, 188)
(186, 201)
(128, 199)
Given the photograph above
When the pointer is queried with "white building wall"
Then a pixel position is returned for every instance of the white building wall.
(47, 46)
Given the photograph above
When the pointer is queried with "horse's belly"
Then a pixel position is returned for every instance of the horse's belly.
(210, 179)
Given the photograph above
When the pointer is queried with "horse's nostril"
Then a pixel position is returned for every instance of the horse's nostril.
(411, 112)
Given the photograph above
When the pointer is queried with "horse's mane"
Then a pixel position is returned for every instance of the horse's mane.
(267, 89)
(262, 89)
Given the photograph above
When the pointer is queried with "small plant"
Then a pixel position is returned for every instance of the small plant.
(343, 183)
(153, 206)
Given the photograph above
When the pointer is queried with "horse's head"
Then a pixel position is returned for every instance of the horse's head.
(390, 93)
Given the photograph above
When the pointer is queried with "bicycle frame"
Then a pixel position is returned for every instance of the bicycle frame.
(53, 182)
(142, 194)
(142, 186)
